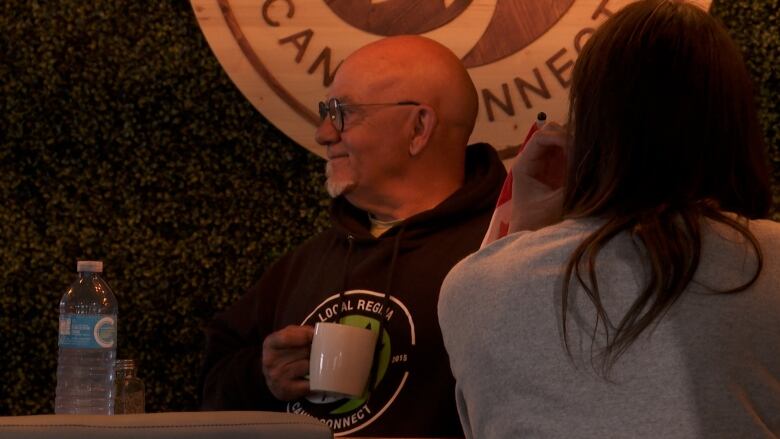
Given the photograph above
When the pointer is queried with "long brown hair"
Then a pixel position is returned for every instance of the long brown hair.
(665, 134)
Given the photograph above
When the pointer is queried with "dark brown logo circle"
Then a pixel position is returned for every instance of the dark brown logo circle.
(514, 25)
(397, 17)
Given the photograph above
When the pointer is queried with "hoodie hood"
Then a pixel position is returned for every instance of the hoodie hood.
(484, 176)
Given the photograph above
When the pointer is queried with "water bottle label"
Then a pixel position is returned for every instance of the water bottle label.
(87, 331)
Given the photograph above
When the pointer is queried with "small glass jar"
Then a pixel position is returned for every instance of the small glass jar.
(129, 389)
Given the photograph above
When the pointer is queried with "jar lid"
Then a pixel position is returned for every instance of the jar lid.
(125, 364)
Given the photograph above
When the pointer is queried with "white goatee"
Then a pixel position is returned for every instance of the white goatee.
(335, 187)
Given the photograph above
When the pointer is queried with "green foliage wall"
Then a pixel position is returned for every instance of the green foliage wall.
(122, 139)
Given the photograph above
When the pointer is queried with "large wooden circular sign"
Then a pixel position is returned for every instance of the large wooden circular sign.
(282, 54)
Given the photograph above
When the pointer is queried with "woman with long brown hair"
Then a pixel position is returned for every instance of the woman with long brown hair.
(640, 296)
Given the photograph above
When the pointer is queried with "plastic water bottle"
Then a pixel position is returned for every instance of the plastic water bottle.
(87, 341)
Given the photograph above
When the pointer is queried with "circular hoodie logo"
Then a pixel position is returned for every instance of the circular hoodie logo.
(364, 309)
(283, 54)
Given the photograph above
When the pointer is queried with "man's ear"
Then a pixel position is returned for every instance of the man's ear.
(425, 121)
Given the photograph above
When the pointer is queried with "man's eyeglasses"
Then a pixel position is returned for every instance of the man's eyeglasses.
(335, 110)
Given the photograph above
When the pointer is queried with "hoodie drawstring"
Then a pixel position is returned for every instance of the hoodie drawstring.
(385, 300)
(383, 312)
(344, 275)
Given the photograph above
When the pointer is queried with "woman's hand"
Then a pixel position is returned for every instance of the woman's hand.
(538, 175)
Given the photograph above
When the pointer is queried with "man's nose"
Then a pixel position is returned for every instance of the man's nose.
(326, 133)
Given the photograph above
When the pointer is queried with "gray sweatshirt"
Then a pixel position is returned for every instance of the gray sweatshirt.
(710, 368)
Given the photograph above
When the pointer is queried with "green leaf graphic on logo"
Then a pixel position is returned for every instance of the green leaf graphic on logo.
(384, 358)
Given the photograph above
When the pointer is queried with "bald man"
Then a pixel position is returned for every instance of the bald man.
(410, 200)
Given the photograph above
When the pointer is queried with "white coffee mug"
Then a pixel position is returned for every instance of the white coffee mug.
(341, 359)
